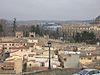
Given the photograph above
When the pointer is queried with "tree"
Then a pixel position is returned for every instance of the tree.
(92, 36)
(57, 34)
(3, 24)
(33, 28)
(37, 30)
(77, 37)
(87, 37)
(25, 33)
(1, 29)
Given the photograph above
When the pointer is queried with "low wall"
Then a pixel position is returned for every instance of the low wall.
(53, 72)
(7, 72)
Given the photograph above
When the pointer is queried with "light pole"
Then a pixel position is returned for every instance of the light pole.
(49, 45)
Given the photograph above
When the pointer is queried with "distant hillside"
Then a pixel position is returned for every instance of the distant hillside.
(35, 22)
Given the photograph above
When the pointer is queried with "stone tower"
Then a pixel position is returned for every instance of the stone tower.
(32, 34)
(19, 34)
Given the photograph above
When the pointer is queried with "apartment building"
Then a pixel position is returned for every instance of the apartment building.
(71, 29)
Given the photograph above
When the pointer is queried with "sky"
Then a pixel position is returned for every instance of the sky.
(49, 9)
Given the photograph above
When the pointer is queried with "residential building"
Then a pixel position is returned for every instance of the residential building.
(71, 29)
(69, 59)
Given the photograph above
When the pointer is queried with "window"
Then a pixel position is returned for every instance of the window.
(12, 44)
(31, 55)
(30, 65)
(42, 64)
(89, 58)
(32, 50)
(24, 44)
(65, 59)
(21, 50)
(9, 44)
(83, 72)
(96, 71)
(31, 46)
(5, 48)
(91, 73)
(95, 58)
(32, 36)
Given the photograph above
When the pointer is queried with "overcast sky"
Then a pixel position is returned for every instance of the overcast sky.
(49, 9)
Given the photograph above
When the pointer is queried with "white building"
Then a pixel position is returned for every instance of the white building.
(70, 59)
(51, 26)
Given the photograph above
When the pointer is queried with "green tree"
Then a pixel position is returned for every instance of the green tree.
(87, 37)
(1, 29)
(77, 37)
(33, 28)
(57, 33)
(25, 33)
(37, 30)
(92, 36)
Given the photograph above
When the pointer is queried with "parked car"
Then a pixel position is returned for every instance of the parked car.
(88, 72)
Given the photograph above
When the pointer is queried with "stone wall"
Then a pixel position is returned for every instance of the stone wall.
(54, 72)
(7, 72)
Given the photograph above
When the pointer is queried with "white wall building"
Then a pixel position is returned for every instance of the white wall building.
(51, 26)
(70, 59)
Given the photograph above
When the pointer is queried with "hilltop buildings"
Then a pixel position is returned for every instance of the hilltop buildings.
(51, 26)
(33, 52)
(70, 30)
(21, 53)
(25, 50)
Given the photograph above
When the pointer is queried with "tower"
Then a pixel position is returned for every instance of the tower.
(14, 26)
(97, 20)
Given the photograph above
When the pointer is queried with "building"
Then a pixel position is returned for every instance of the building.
(51, 26)
(19, 34)
(97, 20)
(70, 30)
(69, 59)
(12, 65)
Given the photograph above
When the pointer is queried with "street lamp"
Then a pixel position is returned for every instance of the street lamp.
(49, 45)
